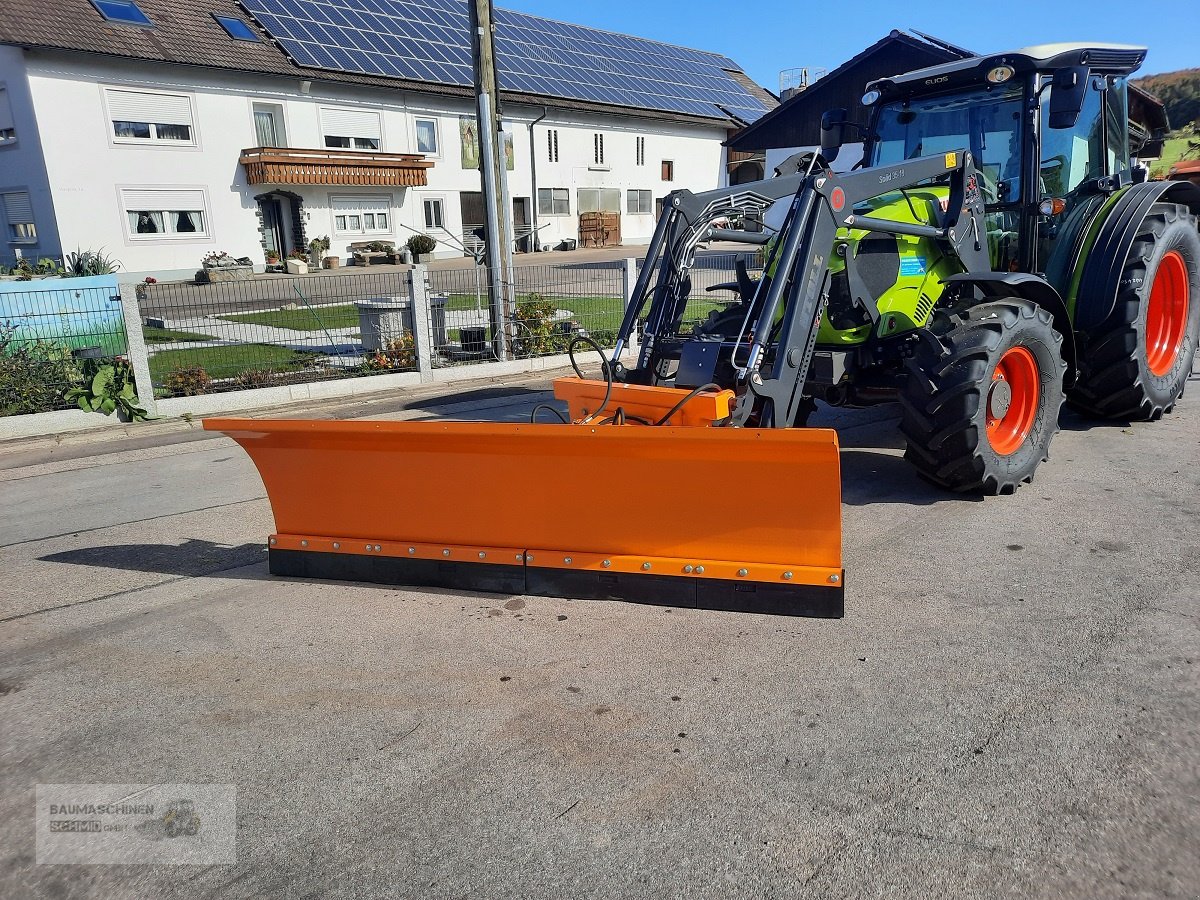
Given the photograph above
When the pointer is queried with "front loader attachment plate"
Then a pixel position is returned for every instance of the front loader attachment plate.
(715, 518)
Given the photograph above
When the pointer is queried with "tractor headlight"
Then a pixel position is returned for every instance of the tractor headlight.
(870, 98)
(1001, 74)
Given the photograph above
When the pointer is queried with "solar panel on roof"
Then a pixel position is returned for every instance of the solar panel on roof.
(429, 40)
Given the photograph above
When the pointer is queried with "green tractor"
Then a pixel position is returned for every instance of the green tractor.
(993, 255)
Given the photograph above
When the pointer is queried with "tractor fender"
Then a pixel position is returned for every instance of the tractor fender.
(1028, 287)
(1097, 294)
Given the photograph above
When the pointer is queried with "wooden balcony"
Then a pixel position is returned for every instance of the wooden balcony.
(286, 166)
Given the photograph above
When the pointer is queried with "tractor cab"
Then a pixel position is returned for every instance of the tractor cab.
(1048, 127)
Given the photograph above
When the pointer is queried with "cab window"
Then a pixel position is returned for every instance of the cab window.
(986, 121)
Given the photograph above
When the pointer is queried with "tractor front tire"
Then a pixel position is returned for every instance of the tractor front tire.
(981, 402)
(1135, 365)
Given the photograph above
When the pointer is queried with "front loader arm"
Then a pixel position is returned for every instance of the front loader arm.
(822, 206)
(785, 314)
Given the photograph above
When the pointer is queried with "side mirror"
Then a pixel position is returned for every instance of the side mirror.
(1068, 90)
(833, 132)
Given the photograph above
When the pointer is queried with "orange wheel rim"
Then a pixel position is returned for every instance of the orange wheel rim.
(1167, 314)
(1013, 400)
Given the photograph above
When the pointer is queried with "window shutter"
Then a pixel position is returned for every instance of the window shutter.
(6, 116)
(165, 199)
(358, 123)
(364, 204)
(17, 208)
(140, 106)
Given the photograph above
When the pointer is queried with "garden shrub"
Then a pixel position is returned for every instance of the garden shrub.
(34, 376)
(187, 381)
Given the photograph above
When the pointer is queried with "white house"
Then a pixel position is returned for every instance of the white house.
(195, 133)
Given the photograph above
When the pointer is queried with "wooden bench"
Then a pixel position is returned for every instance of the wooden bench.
(364, 256)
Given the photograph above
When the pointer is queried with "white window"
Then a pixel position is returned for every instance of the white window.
(434, 215)
(268, 125)
(362, 215)
(8, 132)
(641, 151)
(427, 136)
(552, 144)
(599, 200)
(598, 149)
(18, 212)
(150, 117)
(554, 202)
(156, 214)
(351, 129)
(641, 203)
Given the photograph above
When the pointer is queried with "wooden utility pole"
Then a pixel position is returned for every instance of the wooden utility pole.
(492, 168)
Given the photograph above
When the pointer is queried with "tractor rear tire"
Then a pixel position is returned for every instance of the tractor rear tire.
(981, 402)
(1135, 365)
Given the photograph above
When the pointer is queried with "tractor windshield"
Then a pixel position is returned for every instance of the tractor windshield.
(987, 121)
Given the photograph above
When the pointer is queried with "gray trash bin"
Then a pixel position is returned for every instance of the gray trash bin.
(383, 320)
(437, 312)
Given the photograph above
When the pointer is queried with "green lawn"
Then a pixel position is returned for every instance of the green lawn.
(229, 361)
(168, 336)
(1173, 150)
(593, 313)
(346, 315)
(304, 318)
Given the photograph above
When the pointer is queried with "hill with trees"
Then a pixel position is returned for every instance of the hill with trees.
(1178, 91)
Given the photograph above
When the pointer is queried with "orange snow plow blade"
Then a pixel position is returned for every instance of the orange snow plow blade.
(716, 518)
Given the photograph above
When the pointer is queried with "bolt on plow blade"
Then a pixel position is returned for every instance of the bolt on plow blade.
(714, 518)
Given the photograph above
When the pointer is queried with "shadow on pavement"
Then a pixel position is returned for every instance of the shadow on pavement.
(193, 558)
(474, 396)
(873, 467)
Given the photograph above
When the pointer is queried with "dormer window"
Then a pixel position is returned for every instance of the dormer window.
(122, 12)
(236, 28)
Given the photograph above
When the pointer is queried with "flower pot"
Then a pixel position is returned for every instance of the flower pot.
(333, 262)
(297, 267)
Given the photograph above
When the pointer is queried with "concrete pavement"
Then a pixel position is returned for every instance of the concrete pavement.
(1009, 708)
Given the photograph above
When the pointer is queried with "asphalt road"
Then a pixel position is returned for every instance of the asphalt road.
(1010, 707)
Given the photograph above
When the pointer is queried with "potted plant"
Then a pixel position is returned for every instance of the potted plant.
(419, 245)
(297, 263)
(317, 248)
(272, 258)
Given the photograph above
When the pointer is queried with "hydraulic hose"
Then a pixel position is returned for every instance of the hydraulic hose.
(696, 392)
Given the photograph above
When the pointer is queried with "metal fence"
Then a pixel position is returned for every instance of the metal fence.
(48, 328)
(551, 306)
(273, 330)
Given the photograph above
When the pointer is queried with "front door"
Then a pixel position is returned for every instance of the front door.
(522, 227)
(272, 215)
(471, 207)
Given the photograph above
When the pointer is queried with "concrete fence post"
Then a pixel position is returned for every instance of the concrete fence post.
(422, 320)
(629, 275)
(135, 342)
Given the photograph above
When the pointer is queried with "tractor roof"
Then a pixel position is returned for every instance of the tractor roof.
(1115, 59)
